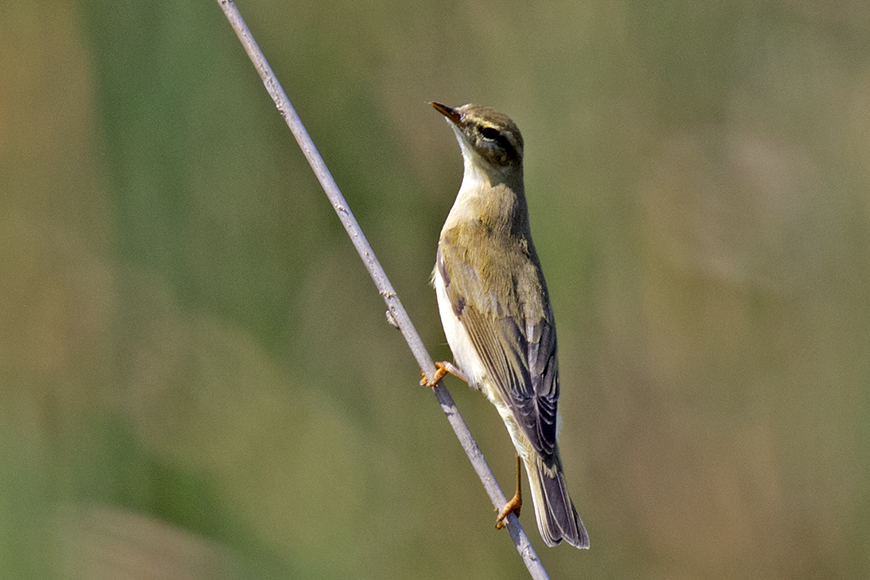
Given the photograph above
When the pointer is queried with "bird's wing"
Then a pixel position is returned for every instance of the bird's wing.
(519, 355)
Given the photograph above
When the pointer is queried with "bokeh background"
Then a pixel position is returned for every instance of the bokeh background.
(197, 379)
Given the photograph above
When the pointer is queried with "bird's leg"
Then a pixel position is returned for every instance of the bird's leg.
(442, 369)
(516, 502)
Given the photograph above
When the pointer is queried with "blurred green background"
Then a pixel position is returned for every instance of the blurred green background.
(196, 376)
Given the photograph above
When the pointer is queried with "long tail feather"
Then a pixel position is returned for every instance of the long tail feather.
(557, 518)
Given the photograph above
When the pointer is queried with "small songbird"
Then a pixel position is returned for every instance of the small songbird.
(496, 311)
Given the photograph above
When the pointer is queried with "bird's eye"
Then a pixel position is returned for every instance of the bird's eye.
(489, 133)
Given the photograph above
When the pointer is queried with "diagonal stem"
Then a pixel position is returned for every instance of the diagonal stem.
(396, 311)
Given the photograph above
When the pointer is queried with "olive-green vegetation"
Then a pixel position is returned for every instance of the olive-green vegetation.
(197, 379)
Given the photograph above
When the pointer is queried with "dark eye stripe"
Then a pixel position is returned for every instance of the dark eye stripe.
(507, 147)
(504, 149)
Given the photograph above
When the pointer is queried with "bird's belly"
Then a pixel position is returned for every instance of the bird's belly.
(466, 357)
(464, 353)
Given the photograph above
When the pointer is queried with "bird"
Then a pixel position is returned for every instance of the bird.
(496, 313)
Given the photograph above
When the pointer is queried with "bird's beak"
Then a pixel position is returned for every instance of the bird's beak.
(452, 114)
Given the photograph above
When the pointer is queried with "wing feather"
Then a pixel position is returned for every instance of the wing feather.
(519, 355)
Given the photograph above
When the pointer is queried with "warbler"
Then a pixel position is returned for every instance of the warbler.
(496, 312)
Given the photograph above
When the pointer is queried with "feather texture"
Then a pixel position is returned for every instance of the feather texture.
(496, 311)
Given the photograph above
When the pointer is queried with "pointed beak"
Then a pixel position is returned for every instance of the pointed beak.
(452, 114)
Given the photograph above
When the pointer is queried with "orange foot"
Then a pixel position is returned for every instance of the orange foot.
(511, 507)
(516, 502)
(442, 369)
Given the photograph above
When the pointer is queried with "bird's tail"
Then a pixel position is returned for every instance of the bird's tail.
(557, 518)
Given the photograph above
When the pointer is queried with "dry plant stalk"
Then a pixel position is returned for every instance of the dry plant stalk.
(396, 312)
